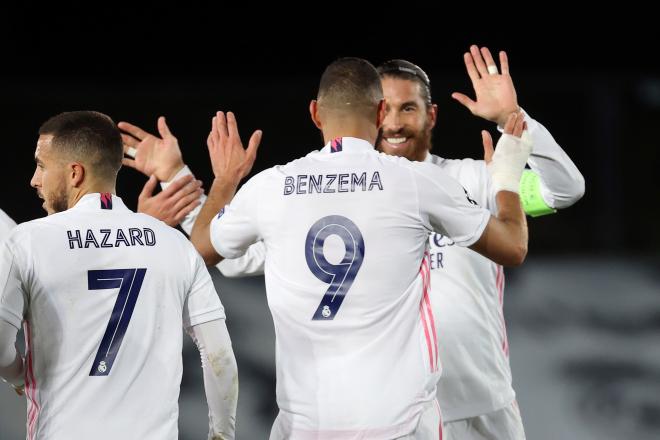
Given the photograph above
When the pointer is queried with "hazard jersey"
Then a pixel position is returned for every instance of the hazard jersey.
(103, 293)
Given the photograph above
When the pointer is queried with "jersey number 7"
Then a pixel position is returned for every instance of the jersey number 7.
(129, 282)
(340, 276)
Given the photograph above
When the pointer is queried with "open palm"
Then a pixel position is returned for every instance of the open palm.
(156, 156)
(495, 95)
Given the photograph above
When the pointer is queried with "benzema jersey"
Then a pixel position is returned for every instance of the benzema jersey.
(346, 233)
(103, 294)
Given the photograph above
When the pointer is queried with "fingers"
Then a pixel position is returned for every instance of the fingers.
(221, 128)
(128, 141)
(187, 210)
(178, 184)
(149, 188)
(478, 60)
(253, 145)
(129, 162)
(519, 126)
(487, 140)
(181, 200)
(490, 62)
(471, 68)
(214, 136)
(504, 63)
(510, 123)
(163, 129)
(463, 99)
(133, 130)
(232, 127)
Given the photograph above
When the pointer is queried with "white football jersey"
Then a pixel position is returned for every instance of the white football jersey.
(103, 294)
(468, 289)
(346, 233)
(6, 225)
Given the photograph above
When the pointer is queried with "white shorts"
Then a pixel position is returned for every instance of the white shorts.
(505, 423)
(429, 426)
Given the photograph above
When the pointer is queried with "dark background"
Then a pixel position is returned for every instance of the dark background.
(592, 80)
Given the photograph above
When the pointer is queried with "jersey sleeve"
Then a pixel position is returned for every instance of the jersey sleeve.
(13, 299)
(202, 303)
(235, 227)
(561, 183)
(249, 264)
(446, 207)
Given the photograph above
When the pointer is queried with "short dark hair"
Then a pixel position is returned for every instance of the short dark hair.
(89, 136)
(351, 84)
(406, 70)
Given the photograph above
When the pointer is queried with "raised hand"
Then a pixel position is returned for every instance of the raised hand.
(495, 95)
(173, 203)
(229, 160)
(160, 157)
(515, 125)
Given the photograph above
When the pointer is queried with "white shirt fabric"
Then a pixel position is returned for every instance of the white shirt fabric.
(68, 277)
(356, 358)
(6, 225)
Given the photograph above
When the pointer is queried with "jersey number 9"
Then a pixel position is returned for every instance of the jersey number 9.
(339, 276)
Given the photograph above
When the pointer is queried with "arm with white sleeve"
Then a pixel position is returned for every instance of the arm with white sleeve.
(554, 181)
(220, 376)
(204, 321)
(554, 178)
(448, 208)
(12, 310)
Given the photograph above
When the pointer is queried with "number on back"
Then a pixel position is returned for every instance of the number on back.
(129, 282)
(339, 276)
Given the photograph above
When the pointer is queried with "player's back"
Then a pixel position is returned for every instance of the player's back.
(345, 243)
(106, 291)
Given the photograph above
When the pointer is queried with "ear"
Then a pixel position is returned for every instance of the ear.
(314, 112)
(433, 114)
(76, 174)
(380, 113)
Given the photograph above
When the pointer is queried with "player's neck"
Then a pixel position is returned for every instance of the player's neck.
(78, 193)
(349, 128)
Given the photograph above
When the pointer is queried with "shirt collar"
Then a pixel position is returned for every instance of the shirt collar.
(100, 201)
(347, 144)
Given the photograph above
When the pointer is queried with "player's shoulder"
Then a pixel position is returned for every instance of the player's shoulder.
(467, 171)
(6, 222)
(477, 165)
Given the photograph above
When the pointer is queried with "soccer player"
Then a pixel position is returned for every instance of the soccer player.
(475, 390)
(346, 232)
(102, 294)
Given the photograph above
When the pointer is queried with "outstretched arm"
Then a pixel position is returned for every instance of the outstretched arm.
(231, 163)
(220, 376)
(555, 181)
(504, 240)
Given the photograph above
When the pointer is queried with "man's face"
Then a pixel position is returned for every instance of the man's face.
(49, 177)
(408, 121)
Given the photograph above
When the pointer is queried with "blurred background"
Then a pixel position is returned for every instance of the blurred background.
(583, 312)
